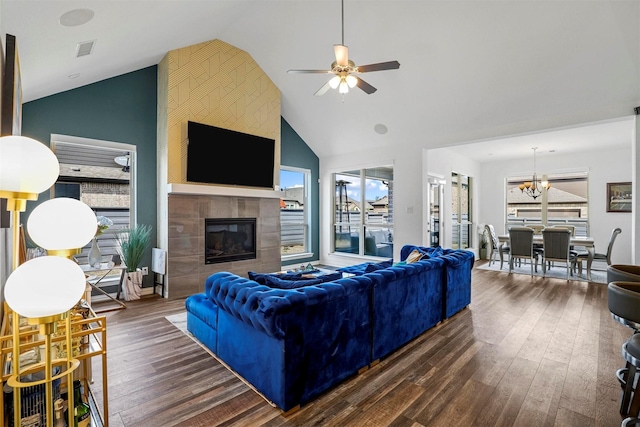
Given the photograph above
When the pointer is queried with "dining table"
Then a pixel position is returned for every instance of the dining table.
(587, 242)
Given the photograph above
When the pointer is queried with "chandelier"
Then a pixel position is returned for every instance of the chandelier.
(534, 187)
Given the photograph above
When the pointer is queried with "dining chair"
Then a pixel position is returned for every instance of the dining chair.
(537, 228)
(571, 228)
(572, 252)
(556, 248)
(584, 256)
(521, 246)
(496, 247)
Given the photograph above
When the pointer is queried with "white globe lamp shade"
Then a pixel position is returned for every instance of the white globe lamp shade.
(26, 165)
(62, 223)
(352, 81)
(344, 87)
(334, 82)
(44, 286)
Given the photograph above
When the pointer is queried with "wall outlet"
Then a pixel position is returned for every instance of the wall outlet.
(145, 271)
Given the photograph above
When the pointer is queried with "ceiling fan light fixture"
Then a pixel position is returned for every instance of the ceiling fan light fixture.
(342, 68)
(334, 82)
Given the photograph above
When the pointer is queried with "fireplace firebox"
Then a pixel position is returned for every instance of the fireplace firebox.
(229, 239)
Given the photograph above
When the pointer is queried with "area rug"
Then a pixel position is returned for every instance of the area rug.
(559, 271)
(180, 321)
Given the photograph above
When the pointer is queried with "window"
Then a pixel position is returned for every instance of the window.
(566, 202)
(363, 206)
(461, 211)
(295, 217)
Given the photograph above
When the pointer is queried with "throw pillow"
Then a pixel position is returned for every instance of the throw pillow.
(261, 277)
(276, 282)
(414, 256)
(378, 266)
(257, 277)
(330, 277)
(436, 252)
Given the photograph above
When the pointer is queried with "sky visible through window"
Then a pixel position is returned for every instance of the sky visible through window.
(291, 179)
(375, 188)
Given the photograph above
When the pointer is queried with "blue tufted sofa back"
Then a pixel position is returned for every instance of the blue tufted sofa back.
(265, 308)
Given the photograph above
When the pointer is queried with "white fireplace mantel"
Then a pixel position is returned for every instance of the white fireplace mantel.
(214, 190)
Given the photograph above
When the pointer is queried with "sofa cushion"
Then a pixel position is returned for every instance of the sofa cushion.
(378, 266)
(276, 282)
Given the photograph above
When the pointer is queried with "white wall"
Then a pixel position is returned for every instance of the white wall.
(635, 173)
(607, 165)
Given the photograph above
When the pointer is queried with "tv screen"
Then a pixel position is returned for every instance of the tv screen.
(223, 156)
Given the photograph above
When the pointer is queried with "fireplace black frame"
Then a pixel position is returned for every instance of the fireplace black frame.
(215, 243)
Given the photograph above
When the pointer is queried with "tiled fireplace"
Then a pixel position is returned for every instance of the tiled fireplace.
(187, 268)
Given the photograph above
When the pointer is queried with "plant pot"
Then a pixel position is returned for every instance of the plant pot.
(132, 285)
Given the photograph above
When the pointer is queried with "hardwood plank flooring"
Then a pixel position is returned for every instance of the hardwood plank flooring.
(526, 352)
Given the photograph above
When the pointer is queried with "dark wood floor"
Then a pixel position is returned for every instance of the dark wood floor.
(527, 352)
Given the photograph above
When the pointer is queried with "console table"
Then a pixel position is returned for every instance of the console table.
(103, 271)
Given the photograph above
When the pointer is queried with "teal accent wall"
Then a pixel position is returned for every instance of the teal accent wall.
(295, 152)
(120, 109)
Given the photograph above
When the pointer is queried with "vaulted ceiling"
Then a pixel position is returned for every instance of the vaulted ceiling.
(470, 70)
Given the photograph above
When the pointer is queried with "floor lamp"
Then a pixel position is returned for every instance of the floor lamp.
(43, 289)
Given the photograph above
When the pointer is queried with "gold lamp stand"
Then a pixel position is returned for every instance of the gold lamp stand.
(27, 168)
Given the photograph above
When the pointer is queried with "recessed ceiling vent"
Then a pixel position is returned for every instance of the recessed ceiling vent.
(85, 48)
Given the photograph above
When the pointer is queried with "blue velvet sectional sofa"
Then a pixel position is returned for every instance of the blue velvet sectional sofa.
(293, 344)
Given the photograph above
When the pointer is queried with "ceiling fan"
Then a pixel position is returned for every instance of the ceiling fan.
(344, 70)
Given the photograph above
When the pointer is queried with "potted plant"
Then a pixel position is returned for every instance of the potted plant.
(133, 243)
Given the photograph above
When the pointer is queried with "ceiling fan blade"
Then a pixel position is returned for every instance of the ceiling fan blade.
(381, 66)
(365, 86)
(322, 90)
(310, 71)
(342, 55)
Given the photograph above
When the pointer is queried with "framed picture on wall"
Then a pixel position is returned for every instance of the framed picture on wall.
(619, 197)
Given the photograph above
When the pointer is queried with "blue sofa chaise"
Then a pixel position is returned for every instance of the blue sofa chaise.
(293, 344)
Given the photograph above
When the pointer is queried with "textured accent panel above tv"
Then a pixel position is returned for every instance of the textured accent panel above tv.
(216, 84)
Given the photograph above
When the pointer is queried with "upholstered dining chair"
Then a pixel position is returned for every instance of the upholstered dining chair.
(571, 228)
(606, 257)
(521, 246)
(556, 248)
(496, 247)
(537, 228)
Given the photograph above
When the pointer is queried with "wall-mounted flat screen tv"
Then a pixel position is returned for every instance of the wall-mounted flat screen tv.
(222, 156)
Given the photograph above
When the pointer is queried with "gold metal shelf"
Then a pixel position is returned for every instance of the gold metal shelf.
(92, 333)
